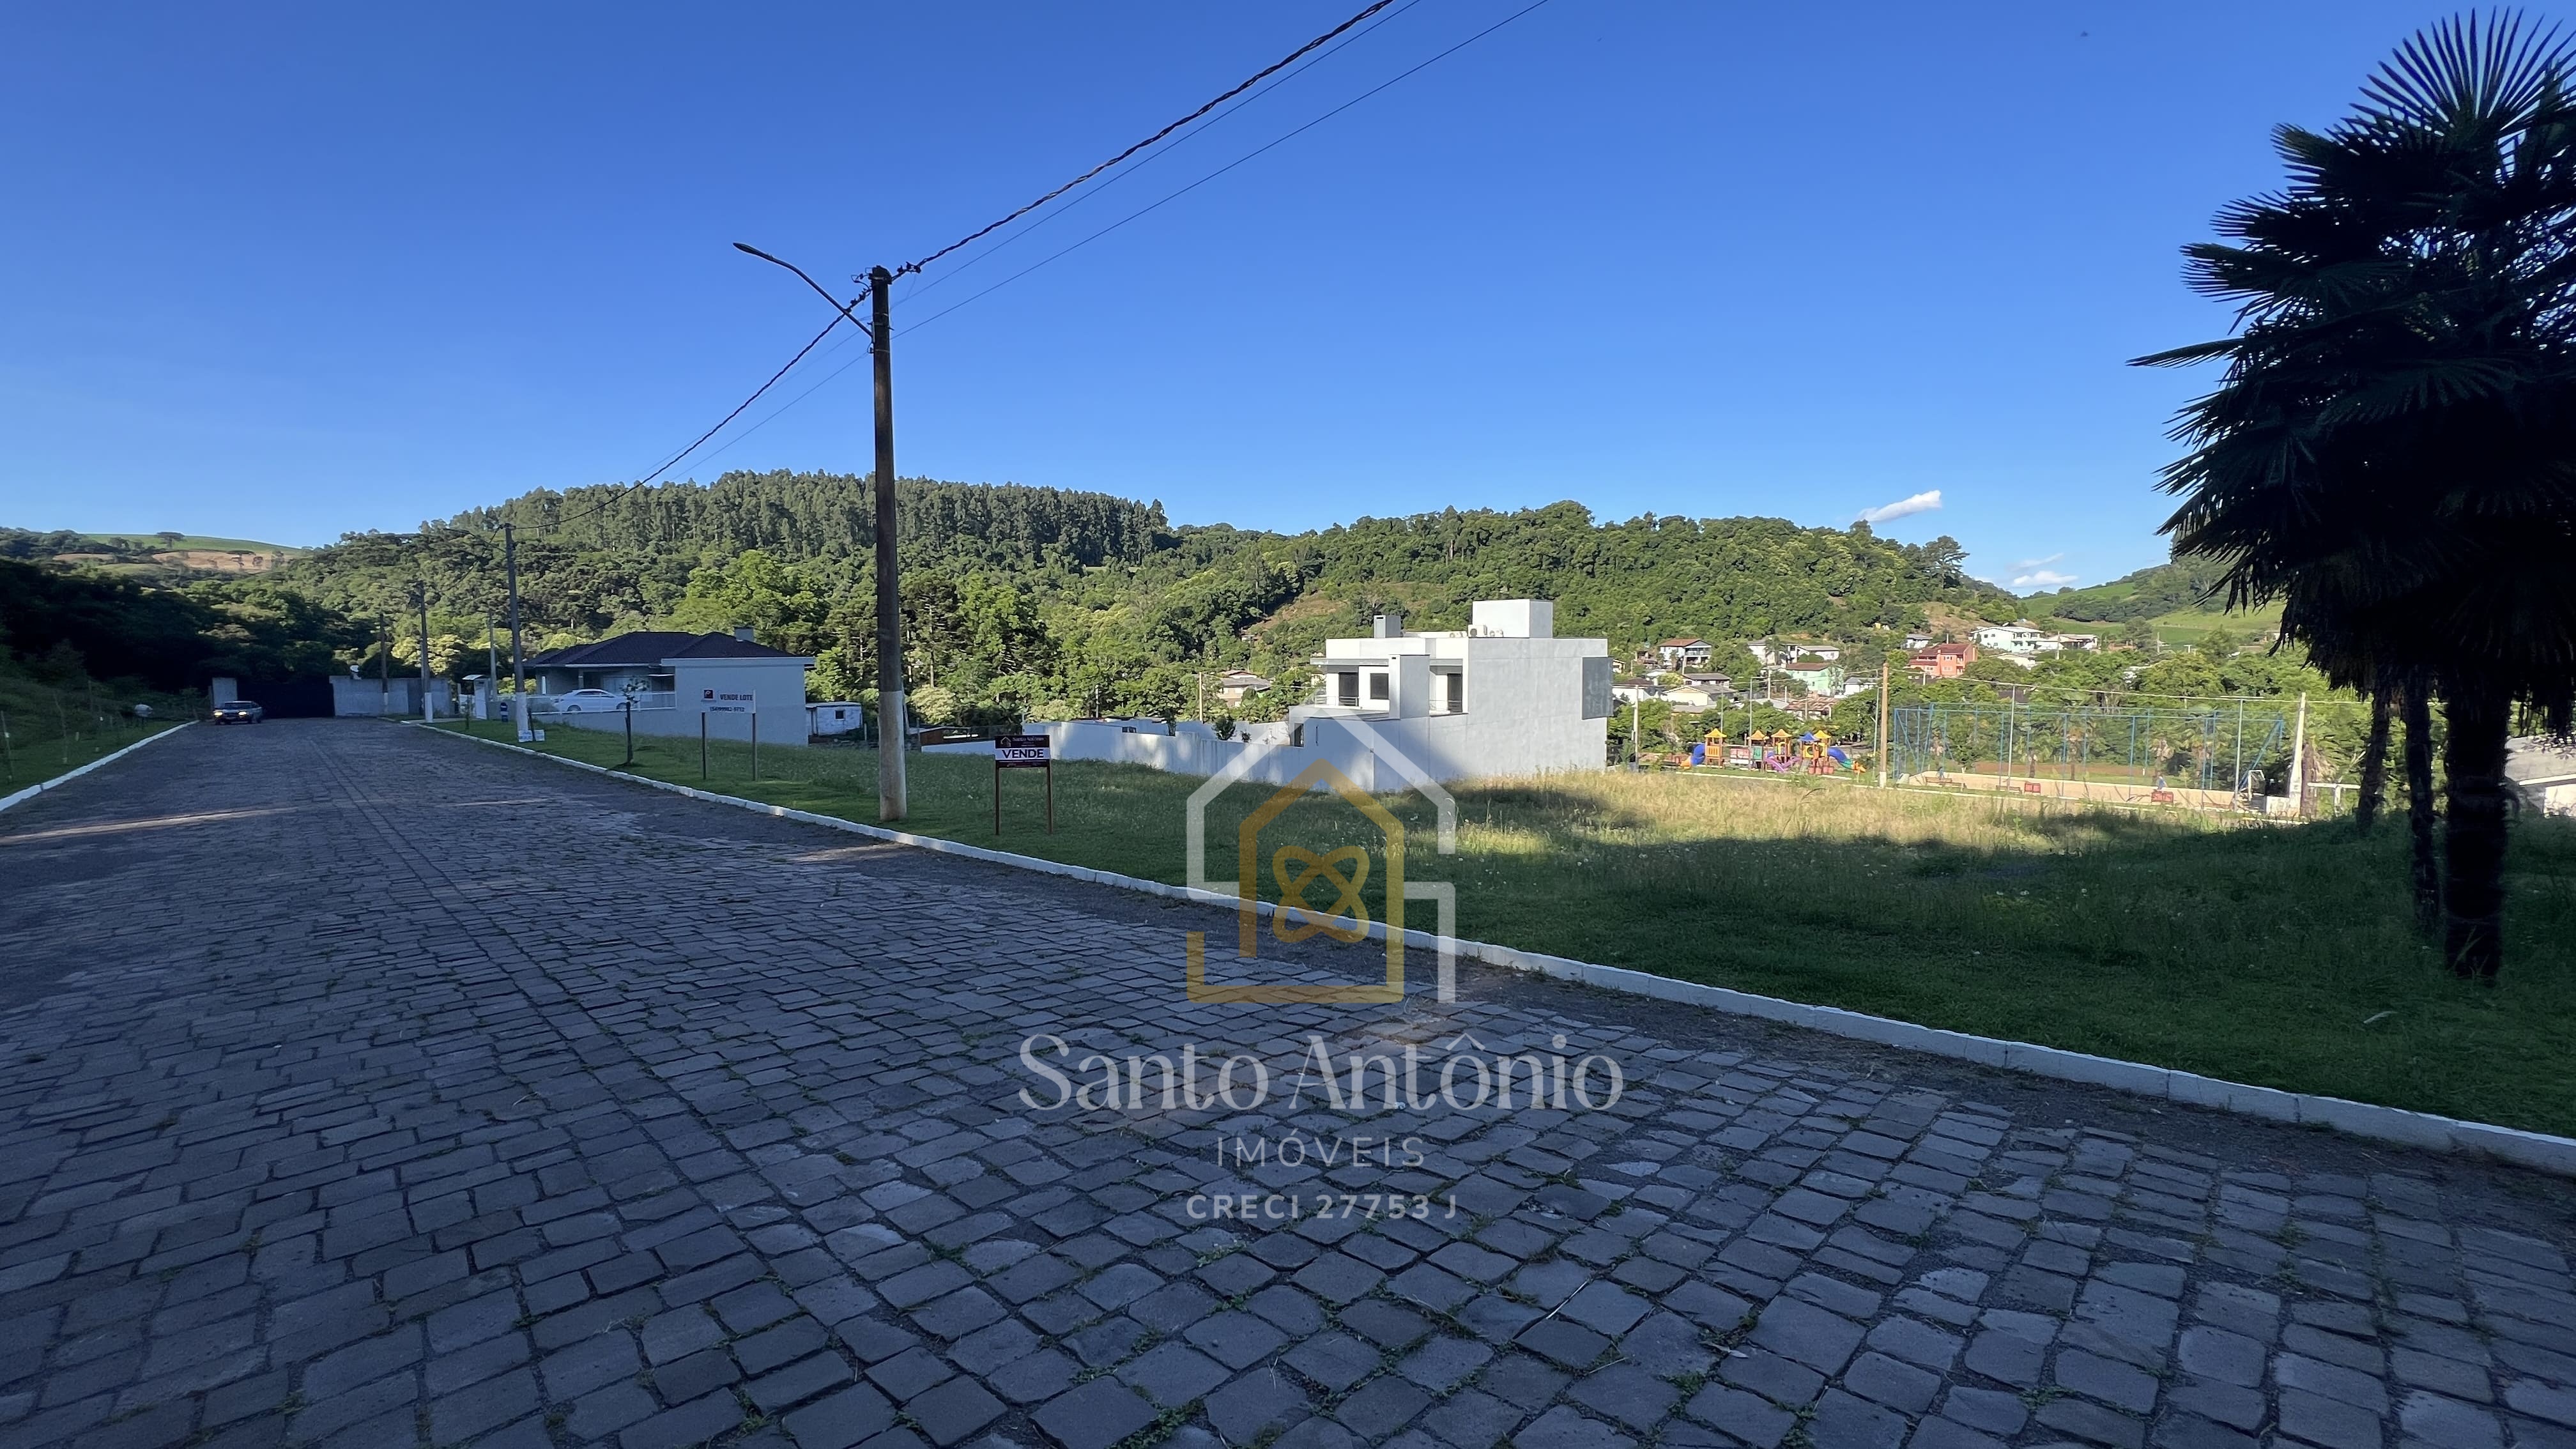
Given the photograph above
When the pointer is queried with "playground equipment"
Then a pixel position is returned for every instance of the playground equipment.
(1779, 751)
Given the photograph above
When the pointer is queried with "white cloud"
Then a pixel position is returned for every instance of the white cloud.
(2042, 579)
(1902, 507)
(2026, 565)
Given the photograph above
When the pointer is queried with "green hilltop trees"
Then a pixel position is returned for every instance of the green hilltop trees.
(1023, 600)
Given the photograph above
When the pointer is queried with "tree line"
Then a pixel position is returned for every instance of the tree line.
(1021, 600)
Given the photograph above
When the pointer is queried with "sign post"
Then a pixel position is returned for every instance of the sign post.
(717, 701)
(1023, 752)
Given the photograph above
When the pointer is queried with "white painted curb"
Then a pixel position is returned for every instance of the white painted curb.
(2537, 1150)
(56, 783)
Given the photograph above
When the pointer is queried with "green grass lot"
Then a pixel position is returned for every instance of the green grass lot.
(51, 729)
(2279, 955)
(2186, 627)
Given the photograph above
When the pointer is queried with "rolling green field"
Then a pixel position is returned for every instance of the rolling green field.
(192, 540)
(2282, 956)
(2186, 627)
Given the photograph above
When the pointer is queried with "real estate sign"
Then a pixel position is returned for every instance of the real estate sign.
(713, 701)
(1023, 752)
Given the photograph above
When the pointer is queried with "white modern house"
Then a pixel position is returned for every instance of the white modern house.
(2010, 639)
(1503, 696)
(1789, 651)
(674, 678)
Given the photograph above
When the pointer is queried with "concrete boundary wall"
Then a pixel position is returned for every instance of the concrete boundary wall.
(1445, 747)
(2537, 1150)
(40, 787)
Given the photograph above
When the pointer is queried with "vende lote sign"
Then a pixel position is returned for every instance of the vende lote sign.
(717, 702)
(1023, 752)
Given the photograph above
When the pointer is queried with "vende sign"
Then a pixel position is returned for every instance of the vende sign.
(1016, 751)
(715, 702)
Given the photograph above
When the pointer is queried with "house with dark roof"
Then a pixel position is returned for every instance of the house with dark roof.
(674, 677)
(1690, 653)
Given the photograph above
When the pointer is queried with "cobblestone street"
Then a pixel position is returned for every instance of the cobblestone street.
(360, 1087)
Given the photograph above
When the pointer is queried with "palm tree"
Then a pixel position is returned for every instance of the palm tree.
(2374, 759)
(2392, 454)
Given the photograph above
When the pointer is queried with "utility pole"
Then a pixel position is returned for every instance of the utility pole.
(2299, 761)
(384, 667)
(891, 734)
(518, 667)
(420, 597)
(491, 665)
(1882, 722)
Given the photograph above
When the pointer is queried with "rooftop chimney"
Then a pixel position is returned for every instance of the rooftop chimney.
(742, 632)
(1390, 626)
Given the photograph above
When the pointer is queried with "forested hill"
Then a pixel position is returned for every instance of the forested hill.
(1649, 577)
(1019, 597)
(799, 516)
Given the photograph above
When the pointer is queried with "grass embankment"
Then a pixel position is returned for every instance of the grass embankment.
(2283, 956)
(53, 728)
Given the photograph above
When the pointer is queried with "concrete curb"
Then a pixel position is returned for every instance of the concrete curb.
(56, 783)
(2537, 1150)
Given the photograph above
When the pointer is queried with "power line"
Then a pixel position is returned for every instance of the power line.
(1266, 73)
(1229, 166)
(997, 248)
(673, 461)
(827, 378)
(1257, 77)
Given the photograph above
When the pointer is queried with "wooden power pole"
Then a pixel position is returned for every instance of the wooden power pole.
(1882, 722)
(420, 597)
(891, 733)
(518, 659)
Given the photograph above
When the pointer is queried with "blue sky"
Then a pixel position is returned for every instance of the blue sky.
(283, 271)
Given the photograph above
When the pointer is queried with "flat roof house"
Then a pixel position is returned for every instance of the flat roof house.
(676, 676)
(1503, 696)
(2010, 638)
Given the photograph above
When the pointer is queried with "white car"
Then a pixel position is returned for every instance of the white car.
(591, 700)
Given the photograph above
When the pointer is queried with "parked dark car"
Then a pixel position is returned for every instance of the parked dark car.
(239, 711)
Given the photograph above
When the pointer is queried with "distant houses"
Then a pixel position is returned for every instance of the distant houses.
(2027, 642)
(1816, 676)
(1236, 685)
(1943, 661)
(1775, 653)
(1686, 654)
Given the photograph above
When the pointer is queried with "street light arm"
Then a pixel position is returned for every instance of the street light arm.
(838, 306)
